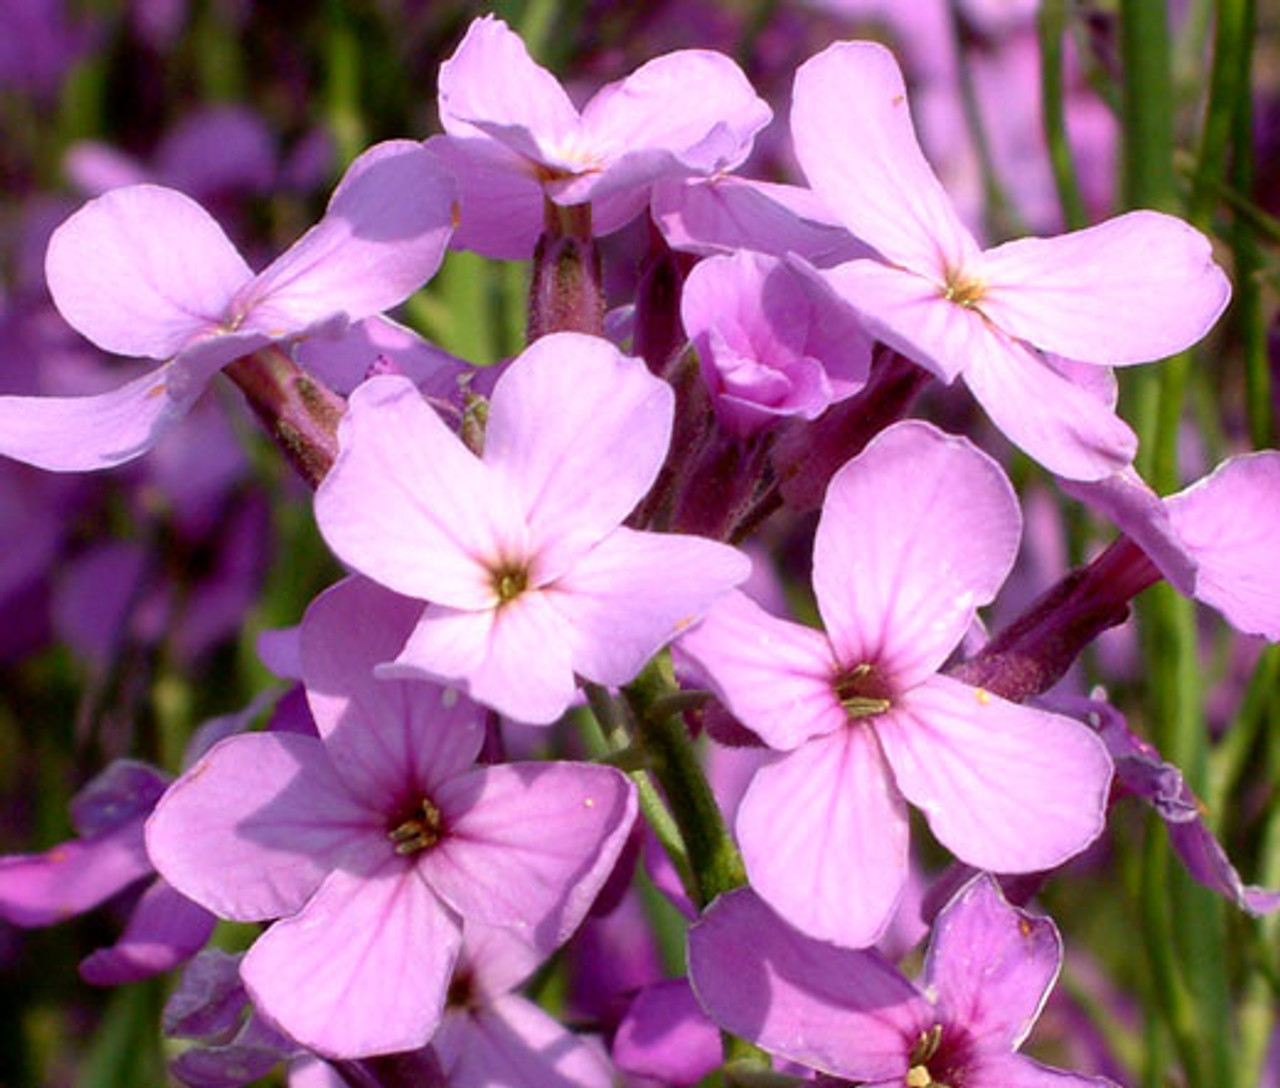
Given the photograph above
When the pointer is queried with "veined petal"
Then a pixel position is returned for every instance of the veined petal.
(143, 270)
(846, 1013)
(1004, 787)
(387, 738)
(529, 845)
(382, 237)
(775, 676)
(917, 532)
(1015, 1071)
(251, 830)
(164, 930)
(490, 81)
(1230, 522)
(1064, 426)
(1135, 288)
(823, 834)
(634, 592)
(409, 506)
(514, 658)
(363, 969)
(990, 965)
(578, 431)
(911, 314)
(854, 138)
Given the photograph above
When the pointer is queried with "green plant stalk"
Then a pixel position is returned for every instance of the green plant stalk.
(1232, 41)
(1051, 26)
(1237, 745)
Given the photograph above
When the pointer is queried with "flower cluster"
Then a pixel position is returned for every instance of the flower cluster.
(580, 535)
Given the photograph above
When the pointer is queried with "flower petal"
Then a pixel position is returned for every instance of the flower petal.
(578, 431)
(917, 532)
(1004, 787)
(854, 138)
(666, 1035)
(409, 506)
(1015, 1071)
(143, 270)
(1064, 426)
(1135, 288)
(165, 929)
(990, 965)
(823, 833)
(529, 845)
(775, 676)
(382, 237)
(634, 592)
(363, 969)
(252, 828)
(846, 1013)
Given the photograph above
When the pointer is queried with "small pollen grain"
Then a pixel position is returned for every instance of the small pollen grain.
(589, 802)
(1024, 927)
(983, 696)
(898, 99)
(157, 389)
(683, 622)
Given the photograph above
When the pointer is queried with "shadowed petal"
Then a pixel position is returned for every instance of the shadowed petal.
(1135, 288)
(917, 532)
(667, 1036)
(990, 965)
(143, 270)
(843, 1012)
(363, 969)
(1004, 787)
(634, 592)
(864, 161)
(823, 833)
(530, 845)
(164, 930)
(773, 675)
(251, 830)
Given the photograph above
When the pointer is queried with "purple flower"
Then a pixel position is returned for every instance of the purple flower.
(916, 533)
(771, 341)
(514, 139)
(530, 576)
(1033, 325)
(987, 974)
(145, 271)
(373, 841)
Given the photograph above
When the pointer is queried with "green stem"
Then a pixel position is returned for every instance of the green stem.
(1232, 38)
(1052, 28)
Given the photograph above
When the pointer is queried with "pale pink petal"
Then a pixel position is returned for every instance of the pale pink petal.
(1062, 425)
(500, 197)
(343, 362)
(991, 966)
(579, 431)
(634, 592)
(251, 830)
(495, 960)
(530, 845)
(1135, 288)
(916, 533)
(513, 1043)
(409, 506)
(823, 834)
(363, 969)
(667, 1036)
(1015, 1071)
(71, 878)
(1004, 787)
(387, 738)
(164, 930)
(843, 1012)
(382, 237)
(514, 658)
(776, 677)
(1230, 524)
(911, 314)
(854, 138)
(491, 78)
(143, 270)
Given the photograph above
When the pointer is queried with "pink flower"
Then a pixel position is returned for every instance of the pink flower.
(145, 271)
(375, 840)
(916, 533)
(531, 578)
(514, 139)
(1032, 326)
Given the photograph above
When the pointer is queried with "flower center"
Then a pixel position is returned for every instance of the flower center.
(420, 830)
(938, 1060)
(862, 691)
(963, 291)
(509, 582)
